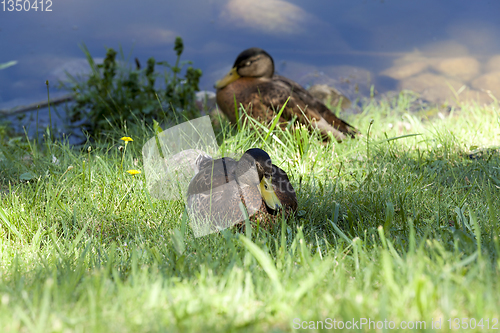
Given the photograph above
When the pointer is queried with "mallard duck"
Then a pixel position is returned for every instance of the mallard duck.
(216, 192)
(252, 82)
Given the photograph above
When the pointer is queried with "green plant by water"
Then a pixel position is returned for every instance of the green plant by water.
(113, 94)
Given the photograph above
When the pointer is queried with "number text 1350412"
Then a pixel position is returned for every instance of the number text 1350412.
(26, 5)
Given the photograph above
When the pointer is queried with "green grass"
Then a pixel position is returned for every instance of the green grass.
(391, 226)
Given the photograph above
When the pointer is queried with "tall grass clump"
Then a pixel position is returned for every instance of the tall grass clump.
(114, 94)
(398, 228)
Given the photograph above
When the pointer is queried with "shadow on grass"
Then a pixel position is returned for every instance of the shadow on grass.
(345, 192)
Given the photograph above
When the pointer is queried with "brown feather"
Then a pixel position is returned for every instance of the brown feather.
(262, 97)
(216, 188)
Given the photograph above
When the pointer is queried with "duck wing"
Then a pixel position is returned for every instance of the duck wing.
(298, 93)
(215, 196)
(263, 97)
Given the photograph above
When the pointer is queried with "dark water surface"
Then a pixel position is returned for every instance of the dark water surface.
(393, 44)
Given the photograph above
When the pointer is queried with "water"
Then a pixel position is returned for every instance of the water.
(341, 43)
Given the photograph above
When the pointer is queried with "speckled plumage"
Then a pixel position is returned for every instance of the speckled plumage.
(263, 93)
(285, 192)
(222, 184)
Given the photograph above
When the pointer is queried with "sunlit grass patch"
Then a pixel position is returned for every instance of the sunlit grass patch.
(401, 224)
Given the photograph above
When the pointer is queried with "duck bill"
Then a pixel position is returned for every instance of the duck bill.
(268, 194)
(230, 77)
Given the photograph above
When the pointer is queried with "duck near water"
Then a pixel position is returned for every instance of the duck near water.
(215, 192)
(252, 82)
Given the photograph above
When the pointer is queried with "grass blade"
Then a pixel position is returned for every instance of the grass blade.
(276, 119)
(264, 261)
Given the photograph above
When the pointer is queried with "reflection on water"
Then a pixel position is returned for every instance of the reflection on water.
(448, 71)
(442, 49)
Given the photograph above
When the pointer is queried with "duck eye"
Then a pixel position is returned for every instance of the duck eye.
(248, 63)
(265, 186)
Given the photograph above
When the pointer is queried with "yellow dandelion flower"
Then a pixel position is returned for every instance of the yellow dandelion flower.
(126, 139)
(133, 172)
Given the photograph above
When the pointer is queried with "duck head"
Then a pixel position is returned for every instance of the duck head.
(253, 62)
(261, 160)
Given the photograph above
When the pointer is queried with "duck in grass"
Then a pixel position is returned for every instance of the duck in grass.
(252, 83)
(218, 191)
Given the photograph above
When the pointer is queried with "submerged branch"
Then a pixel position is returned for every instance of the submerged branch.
(36, 105)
